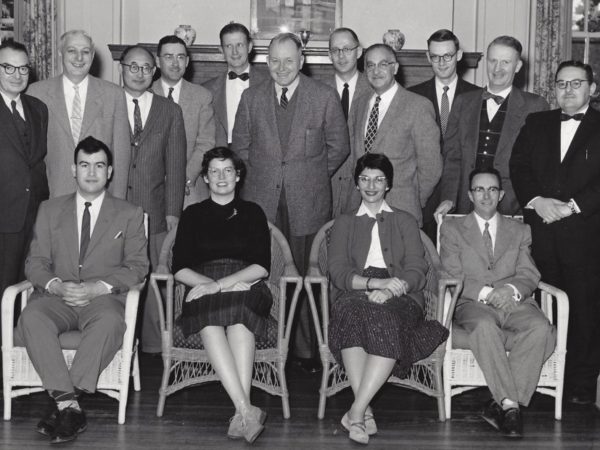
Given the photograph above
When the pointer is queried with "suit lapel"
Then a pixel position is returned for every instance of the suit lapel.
(157, 88)
(10, 128)
(153, 116)
(512, 122)
(103, 223)
(391, 116)
(503, 237)
(57, 106)
(588, 126)
(68, 227)
(220, 101)
(303, 110)
(471, 118)
(474, 237)
(93, 105)
(359, 131)
(432, 95)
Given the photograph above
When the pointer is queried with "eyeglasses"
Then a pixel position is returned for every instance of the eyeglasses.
(170, 57)
(575, 84)
(10, 69)
(338, 51)
(134, 68)
(480, 190)
(228, 172)
(447, 57)
(383, 65)
(379, 181)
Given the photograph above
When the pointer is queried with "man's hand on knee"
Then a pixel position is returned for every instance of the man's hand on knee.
(502, 298)
(80, 294)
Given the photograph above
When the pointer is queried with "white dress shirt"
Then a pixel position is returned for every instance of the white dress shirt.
(70, 93)
(439, 91)
(144, 102)
(375, 255)
(492, 106)
(384, 105)
(176, 89)
(17, 99)
(233, 94)
(568, 128)
(290, 89)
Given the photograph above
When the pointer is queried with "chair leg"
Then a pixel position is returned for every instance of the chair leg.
(123, 394)
(162, 392)
(323, 390)
(137, 386)
(448, 399)
(439, 387)
(285, 396)
(7, 401)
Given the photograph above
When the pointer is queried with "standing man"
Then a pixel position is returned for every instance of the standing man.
(292, 134)
(227, 89)
(81, 105)
(483, 127)
(555, 169)
(344, 51)
(157, 170)
(23, 183)
(88, 250)
(401, 125)
(196, 104)
(443, 53)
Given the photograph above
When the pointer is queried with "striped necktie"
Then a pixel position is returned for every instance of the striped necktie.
(76, 115)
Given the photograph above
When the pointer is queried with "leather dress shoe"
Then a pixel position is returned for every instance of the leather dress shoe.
(492, 413)
(70, 423)
(512, 424)
(47, 424)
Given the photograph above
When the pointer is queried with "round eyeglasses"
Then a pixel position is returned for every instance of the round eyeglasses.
(134, 68)
(575, 84)
(10, 69)
(447, 57)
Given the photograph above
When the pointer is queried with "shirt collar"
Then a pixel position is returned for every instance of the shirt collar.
(290, 89)
(439, 86)
(96, 203)
(176, 87)
(481, 221)
(68, 84)
(581, 110)
(146, 96)
(7, 100)
(364, 210)
(389, 94)
(504, 93)
(339, 83)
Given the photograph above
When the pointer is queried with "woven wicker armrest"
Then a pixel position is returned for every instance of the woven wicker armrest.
(549, 293)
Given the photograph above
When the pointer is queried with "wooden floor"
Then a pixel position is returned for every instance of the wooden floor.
(197, 418)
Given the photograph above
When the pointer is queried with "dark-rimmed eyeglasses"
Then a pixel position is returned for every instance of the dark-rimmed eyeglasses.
(383, 65)
(575, 84)
(480, 190)
(447, 57)
(379, 181)
(9, 69)
(228, 172)
(134, 68)
(338, 51)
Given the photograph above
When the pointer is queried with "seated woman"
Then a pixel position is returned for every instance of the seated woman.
(222, 253)
(377, 267)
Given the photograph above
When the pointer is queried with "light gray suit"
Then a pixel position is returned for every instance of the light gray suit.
(410, 137)
(104, 117)
(196, 103)
(489, 332)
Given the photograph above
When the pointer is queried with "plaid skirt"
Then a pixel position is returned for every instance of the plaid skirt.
(250, 308)
(395, 329)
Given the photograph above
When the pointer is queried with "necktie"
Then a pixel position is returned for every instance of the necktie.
(564, 117)
(19, 121)
(283, 101)
(242, 76)
(497, 98)
(372, 125)
(444, 110)
(346, 100)
(85, 233)
(76, 116)
(487, 241)
(137, 120)
(170, 96)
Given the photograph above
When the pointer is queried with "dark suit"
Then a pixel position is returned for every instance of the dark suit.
(489, 332)
(218, 88)
(23, 184)
(116, 254)
(568, 251)
(461, 140)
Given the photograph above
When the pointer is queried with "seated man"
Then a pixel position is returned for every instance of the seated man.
(491, 253)
(88, 249)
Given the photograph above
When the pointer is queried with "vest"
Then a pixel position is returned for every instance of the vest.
(489, 135)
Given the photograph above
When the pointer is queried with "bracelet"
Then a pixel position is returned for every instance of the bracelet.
(368, 281)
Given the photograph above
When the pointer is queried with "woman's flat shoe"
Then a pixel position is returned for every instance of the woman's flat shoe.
(236, 428)
(356, 430)
(370, 424)
(252, 423)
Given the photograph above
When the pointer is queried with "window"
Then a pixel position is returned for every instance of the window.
(585, 32)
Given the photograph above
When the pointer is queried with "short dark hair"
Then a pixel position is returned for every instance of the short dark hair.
(375, 161)
(14, 45)
(224, 153)
(350, 31)
(170, 39)
(589, 73)
(136, 47)
(234, 27)
(91, 145)
(443, 35)
(385, 47)
(485, 170)
(284, 37)
(507, 41)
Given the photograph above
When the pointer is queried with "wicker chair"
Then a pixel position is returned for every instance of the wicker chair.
(462, 373)
(185, 361)
(425, 375)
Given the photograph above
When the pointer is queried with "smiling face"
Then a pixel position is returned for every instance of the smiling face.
(381, 79)
(91, 173)
(502, 63)
(372, 185)
(172, 61)
(345, 65)
(221, 178)
(137, 83)
(15, 83)
(572, 100)
(485, 203)
(445, 71)
(77, 55)
(236, 49)
(285, 61)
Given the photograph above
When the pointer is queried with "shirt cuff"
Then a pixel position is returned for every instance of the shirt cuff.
(516, 294)
(530, 205)
(483, 293)
(577, 210)
(108, 286)
(50, 282)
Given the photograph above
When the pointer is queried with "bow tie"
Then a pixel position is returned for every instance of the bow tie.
(564, 117)
(242, 76)
(497, 98)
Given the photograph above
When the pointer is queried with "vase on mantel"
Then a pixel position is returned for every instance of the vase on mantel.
(394, 38)
(186, 33)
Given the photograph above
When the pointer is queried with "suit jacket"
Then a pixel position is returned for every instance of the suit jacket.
(317, 145)
(217, 87)
(116, 254)
(196, 104)
(410, 138)
(464, 255)
(104, 117)
(23, 182)
(342, 181)
(157, 172)
(461, 140)
(536, 170)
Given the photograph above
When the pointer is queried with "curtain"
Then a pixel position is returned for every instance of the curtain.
(551, 45)
(39, 36)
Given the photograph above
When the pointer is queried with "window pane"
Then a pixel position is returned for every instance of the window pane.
(577, 19)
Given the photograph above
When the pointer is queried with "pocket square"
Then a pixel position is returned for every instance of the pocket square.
(119, 235)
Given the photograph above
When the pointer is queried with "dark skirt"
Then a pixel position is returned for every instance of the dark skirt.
(395, 329)
(250, 308)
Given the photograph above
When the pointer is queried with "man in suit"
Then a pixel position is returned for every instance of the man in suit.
(157, 169)
(196, 104)
(23, 183)
(88, 249)
(227, 89)
(292, 134)
(443, 53)
(344, 51)
(495, 312)
(401, 125)
(483, 127)
(555, 169)
(81, 105)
